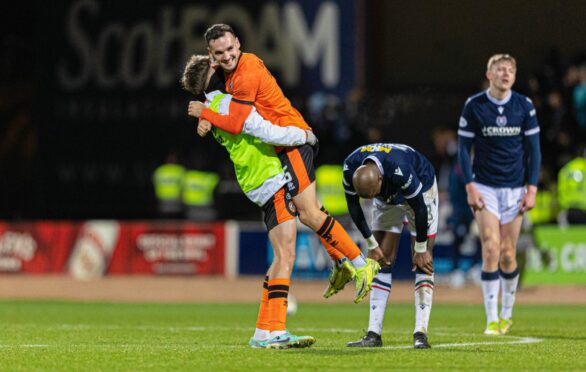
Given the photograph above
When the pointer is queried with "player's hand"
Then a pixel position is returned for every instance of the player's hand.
(203, 127)
(377, 255)
(311, 138)
(423, 261)
(475, 200)
(528, 202)
(195, 109)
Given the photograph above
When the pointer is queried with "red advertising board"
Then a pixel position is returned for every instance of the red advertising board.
(169, 248)
(36, 247)
(95, 248)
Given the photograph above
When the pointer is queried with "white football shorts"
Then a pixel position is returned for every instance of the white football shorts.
(392, 218)
(503, 202)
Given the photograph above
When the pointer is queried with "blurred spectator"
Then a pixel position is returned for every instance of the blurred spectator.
(572, 191)
(445, 144)
(580, 101)
(459, 222)
(198, 195)
(453, 192)
(168, 181)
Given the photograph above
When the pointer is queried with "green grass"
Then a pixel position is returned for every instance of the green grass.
(41, 335)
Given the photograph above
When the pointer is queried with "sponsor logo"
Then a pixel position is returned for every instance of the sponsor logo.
(501, 109)
(16, 248)
(175, 247)
(501, 131)
(106, 53)
(398, 171)
(375, 148)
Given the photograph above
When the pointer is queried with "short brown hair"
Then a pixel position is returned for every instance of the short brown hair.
(217, 31)
(499, 58)
(195, 74)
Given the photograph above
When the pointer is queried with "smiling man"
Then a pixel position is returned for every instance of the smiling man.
(501, 183)
(252, 85)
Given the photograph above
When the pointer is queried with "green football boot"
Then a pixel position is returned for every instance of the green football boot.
(492, 329)
(505, 325)
(340, 275)
(364, 277)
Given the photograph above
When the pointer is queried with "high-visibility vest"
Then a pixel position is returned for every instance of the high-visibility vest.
(543, 212)
(330, 189)
(572, 185)
(198, 188)
(168, 181)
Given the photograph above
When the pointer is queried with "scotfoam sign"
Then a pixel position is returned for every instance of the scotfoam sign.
(303, 43)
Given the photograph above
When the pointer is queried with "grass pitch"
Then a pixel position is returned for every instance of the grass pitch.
(49, 335)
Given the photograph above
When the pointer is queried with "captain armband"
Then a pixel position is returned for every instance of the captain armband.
(420, 247)
(372, 243)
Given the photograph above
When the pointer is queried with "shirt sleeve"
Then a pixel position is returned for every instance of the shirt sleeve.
(405, 177)
(531, 132)
(231, 123)
(245, 84)
(420, 210)
(355, 210)
(347, 180)
(267, 132)
(353, 202)
(466, 133)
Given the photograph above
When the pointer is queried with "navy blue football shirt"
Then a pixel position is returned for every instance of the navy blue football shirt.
(406, 173)
(498, 130)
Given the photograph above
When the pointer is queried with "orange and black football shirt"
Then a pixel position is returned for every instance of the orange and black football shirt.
(251, 84)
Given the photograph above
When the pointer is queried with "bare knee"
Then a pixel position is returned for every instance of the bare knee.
(312, 217)
(508, 259)
(491, 250)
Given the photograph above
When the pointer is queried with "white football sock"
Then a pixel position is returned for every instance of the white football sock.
(423, 301)
(509, 282)
(359, 261)
(381, 289)
(261, 334)
(490, 290)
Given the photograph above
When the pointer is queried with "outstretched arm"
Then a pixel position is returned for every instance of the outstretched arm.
(231, 123)
(276, 135)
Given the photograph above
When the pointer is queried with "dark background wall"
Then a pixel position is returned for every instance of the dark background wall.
(447, 43)
(82, 142)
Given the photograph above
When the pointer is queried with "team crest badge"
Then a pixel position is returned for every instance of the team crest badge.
(501, 121)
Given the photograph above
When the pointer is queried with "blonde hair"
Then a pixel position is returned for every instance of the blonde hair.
(195, 75)
(499, 58)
